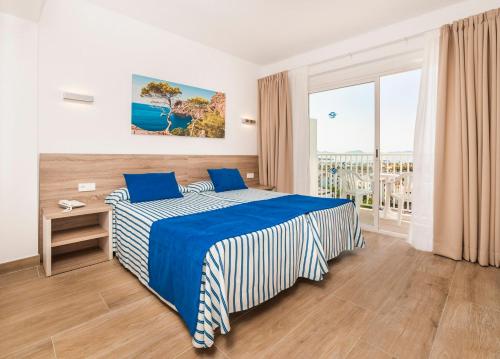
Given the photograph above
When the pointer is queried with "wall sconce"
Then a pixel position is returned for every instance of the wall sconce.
(77, 97)
(248, 121)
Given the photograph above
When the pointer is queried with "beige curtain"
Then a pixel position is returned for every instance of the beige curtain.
(275, 133)
(467, 173)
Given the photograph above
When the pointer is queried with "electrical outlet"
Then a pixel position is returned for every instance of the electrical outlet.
(86, 187)
(250, 175)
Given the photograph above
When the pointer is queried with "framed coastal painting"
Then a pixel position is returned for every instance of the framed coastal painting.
(168, 108)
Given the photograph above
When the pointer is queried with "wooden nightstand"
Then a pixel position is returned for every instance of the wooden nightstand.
(76, 239)
(263, 187)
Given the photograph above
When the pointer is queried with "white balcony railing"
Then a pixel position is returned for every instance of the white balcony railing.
(392, 164)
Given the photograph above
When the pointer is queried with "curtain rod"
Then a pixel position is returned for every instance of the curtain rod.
(351, 54)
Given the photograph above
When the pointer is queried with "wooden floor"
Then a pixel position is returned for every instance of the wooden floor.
(387, 300)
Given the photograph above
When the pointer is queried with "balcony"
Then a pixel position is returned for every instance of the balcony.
(348, 174)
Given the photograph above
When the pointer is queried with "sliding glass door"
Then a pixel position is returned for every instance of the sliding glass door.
(398, 112)
(345, 140)
(363, 138)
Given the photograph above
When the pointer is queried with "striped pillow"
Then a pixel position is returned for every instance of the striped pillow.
(184, 189)
(116, 196)
(122, 195)
(201, 186)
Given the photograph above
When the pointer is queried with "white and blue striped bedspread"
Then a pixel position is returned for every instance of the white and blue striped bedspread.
(338, 228)
(238, 273)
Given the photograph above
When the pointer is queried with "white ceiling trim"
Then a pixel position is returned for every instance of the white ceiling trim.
(391, 50)
(383, 36)
(365, 71)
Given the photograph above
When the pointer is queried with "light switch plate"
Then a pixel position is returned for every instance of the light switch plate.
(250, 175)
(86, 187)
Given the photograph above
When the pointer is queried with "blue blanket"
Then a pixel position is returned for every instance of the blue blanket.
(178, 245)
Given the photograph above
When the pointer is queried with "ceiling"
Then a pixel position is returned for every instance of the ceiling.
(27, 9)
(266, 31)
(259, 31)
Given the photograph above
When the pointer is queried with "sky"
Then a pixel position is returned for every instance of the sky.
(353, 127)
(139, 81)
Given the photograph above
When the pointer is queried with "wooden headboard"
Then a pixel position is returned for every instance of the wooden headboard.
(61, 173)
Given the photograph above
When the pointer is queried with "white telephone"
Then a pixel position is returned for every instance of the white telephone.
(68, 205)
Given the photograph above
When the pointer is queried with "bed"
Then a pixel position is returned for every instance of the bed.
(338, 228)
(238, 272)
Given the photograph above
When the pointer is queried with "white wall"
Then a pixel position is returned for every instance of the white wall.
(87, 49)
(83, 48)
(18, 139)
(25, 9)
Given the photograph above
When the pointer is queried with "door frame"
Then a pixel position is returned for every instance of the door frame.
(373, 77)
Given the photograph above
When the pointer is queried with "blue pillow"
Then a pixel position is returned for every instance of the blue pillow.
(152, 186)
(226, 179)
